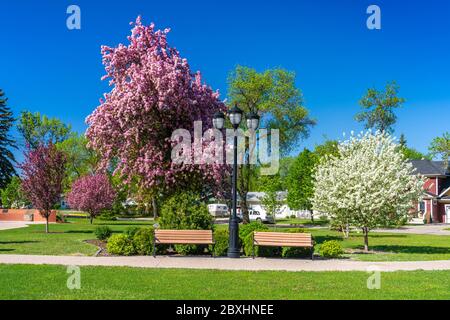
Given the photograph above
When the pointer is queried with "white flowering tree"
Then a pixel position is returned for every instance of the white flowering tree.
(369, 184)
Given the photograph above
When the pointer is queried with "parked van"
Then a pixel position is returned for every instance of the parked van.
(256, 215)
(218, 210)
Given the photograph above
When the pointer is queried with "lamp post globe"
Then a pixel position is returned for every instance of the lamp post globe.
(252, 121)
(219, 120)
(235, 115)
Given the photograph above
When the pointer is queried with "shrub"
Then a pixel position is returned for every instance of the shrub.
(131, 231)
(221, 246)
(120, 244)
(143, 241)
(293, 216)
(103, 232)
(331, 249)
(245, 235)
(184, 211)
(296, 252)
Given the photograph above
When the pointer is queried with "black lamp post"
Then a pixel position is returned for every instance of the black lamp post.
(235, 116)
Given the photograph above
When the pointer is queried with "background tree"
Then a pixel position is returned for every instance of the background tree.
(37, 129)
(81, 160)
(42, 178)
(440, 147)
(153, 93)
(12, 196)
(271, 201)
(410, 153)
(274, 96)
(92, 194)
(7, 143)
(300, 183)
(369, 185)
(378, 108)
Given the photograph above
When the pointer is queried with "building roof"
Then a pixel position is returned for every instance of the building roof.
(429, 168)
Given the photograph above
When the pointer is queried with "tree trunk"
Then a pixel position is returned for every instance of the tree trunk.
(91, 218)
(46, 223)
(154, 208)
(311, 214)
(244, 208)
(366, 239)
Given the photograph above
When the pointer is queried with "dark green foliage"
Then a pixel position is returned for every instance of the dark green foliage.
(378, 108)
(331, 249)
(296, 252)
(184, 211)
(37, 129)
(12, 196)
(103, 232)
(300, 182)
(143, 241)
(121, 245)
(221, 246)
(131, 231)
(7, 143)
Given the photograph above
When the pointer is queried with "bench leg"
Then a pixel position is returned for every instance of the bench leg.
(213, 254)
(154, 250)
(312, 253)
(253, 251)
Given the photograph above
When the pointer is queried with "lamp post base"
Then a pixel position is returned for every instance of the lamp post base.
(234, 251)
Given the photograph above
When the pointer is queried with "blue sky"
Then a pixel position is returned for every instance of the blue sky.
(46, 67)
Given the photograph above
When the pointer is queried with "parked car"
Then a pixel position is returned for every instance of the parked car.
(255, 215)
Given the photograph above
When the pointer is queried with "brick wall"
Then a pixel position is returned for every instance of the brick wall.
(18, 215)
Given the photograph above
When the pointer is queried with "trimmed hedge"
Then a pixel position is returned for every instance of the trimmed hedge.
(221, 247)
(103, 232)
(121, 245)
(331, 249)
(143, 241)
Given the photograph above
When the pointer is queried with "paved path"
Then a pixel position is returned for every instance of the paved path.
(6, 225)
(433, 229)
(248, 264)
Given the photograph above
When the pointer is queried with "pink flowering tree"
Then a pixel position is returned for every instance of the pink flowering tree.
(92, 194)
(42, 178)
(153, 92)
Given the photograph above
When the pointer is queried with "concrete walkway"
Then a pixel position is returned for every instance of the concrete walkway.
(248, 264)
(6, 225)
(432, 229)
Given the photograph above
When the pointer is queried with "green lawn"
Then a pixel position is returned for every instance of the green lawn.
(64, 239)
(49, 282)
(68, 239)
(297, 221)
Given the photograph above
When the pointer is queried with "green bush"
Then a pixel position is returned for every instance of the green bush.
(131, 231)
(184, 211)
(103, 232)
(121, 245)
(221, 246)
(331, 249)
(246, 237)
(296, 252)
(143, 241)
(248, 228)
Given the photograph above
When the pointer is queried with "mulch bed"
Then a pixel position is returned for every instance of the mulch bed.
(101, 245)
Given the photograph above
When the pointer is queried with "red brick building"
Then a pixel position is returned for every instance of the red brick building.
(435, 206)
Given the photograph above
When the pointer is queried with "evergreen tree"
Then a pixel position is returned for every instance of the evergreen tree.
(7, 143)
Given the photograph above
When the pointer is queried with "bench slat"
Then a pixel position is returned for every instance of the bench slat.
(184, 237)
(282, 239)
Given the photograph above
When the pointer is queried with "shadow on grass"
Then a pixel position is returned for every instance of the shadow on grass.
(18, 242)
(409, 249)
(6, 250)
(79, 231)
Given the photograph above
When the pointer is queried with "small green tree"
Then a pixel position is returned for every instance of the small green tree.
(12, 196)
(7, 143)
(300, 184)
(440, 147)
(37, 129)
(271, 202)
(378, 108)
(410, 153)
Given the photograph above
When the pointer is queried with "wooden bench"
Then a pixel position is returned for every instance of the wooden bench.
(282, 239)
(183, 237)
